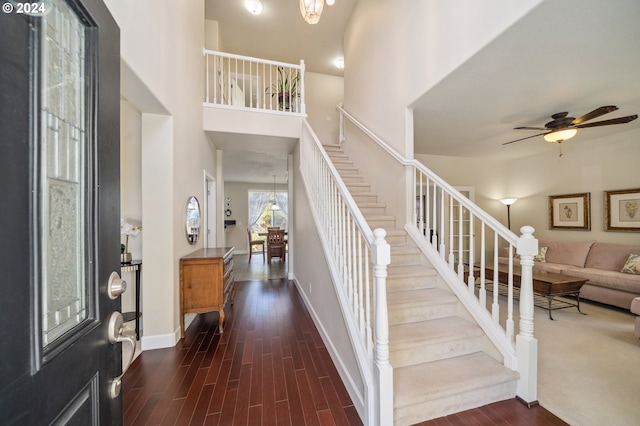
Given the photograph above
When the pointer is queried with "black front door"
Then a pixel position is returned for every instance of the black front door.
(59, 213)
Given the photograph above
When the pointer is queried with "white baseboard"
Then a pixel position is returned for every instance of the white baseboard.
(160, 341)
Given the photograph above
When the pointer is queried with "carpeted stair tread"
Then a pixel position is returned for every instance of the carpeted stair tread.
(439, 379)
(435, 332)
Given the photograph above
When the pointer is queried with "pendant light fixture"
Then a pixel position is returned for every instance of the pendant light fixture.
(312, 9)
(275, 205)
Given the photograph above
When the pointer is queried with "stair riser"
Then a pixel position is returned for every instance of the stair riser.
(385, 224)
(339, 159)
(347, 171)
(373, 211)
(434, 352)
(403, 258)
(336, 154)
(348, 180)
(402, 314)
(456, 403)
(396, 239)
(369, 198)
(410, 283)
(356, 188)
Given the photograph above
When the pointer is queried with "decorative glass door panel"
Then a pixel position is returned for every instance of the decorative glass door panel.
(65, 174)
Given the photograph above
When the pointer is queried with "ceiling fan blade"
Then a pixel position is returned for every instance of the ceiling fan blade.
(528, 137)
(620, 120)
(530, 128)
(595, 113)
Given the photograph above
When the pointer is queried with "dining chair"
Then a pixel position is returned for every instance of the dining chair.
(276, 244)
(253, 243)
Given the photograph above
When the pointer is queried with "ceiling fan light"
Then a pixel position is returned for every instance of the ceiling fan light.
(311, 10)
(560, 135)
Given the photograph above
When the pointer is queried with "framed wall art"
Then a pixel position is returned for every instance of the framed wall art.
(570, 211)
(622, 210)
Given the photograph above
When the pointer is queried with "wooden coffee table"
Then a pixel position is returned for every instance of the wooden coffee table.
(548, 285)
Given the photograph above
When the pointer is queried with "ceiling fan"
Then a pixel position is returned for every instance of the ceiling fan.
(562, 127)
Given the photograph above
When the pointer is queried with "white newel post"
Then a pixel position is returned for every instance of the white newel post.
(381, 256)
(526, 343)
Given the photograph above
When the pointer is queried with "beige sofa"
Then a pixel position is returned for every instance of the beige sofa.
(635, 309)
(599, 263)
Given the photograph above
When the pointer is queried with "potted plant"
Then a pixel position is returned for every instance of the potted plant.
(285, 88)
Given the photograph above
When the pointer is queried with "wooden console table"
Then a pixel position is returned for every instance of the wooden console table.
(206, 282)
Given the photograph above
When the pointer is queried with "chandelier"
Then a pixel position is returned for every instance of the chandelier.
(312, 9)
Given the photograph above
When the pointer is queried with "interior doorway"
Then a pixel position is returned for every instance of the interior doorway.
(210, 195)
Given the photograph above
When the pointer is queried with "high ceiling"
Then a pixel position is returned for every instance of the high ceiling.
(280, 33)
(569, 55)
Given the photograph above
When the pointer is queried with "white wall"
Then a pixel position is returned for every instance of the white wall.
(323, 92)
(161, 49)
(212, 35)
(396, 50)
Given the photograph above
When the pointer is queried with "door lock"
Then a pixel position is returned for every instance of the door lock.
(116, 286)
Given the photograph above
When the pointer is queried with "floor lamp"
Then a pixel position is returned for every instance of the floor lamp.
(508, 202)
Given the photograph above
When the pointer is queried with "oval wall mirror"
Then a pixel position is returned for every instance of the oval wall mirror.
(193, 220)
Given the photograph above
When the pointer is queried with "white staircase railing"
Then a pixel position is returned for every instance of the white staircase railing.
(358, 259)
(242, 82)
(460, 238)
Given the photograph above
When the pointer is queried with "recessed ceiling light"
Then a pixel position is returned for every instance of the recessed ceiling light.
(254, 6)
(339, 63)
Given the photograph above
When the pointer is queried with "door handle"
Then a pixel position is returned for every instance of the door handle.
(116, 336)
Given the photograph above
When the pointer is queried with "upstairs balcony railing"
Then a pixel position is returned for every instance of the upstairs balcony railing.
(241, 82)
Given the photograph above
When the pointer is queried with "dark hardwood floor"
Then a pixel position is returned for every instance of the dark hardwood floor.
(269, 367)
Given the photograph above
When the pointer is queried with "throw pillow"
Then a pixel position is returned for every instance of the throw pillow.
(540, 257)
(542, 253)
(632, 265)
